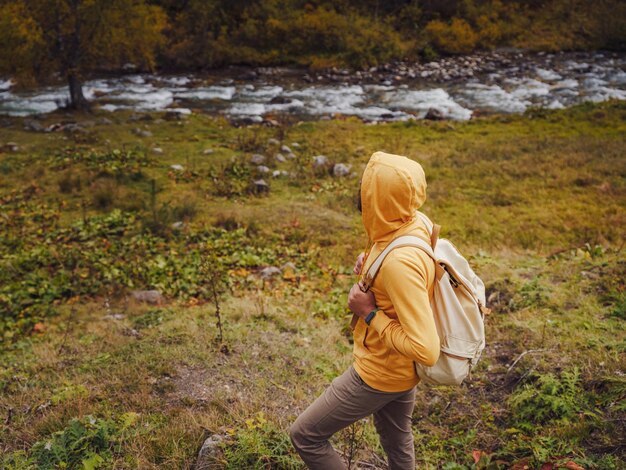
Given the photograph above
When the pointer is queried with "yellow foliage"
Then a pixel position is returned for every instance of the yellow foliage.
(80, 36)
(458, 37)
(20, 39)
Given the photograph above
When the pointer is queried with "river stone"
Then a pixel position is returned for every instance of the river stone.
(33, 125)
(249, 75)
(140, 117)
(142, 133)
(114, 316)
(280, 100)
(434, 114)
(261, 187)
(320, 161)
(211, 455)
(257, 159)
(147, 296)
(104, 121)
(341, 169)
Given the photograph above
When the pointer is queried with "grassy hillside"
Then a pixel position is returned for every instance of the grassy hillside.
(91, 377)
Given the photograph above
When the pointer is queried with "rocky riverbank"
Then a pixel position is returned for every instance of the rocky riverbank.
(456, 88)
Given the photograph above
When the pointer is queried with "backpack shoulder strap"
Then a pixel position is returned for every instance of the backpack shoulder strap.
(406, 240)
(433, 229)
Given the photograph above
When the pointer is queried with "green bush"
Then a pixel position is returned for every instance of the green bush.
(259, 446)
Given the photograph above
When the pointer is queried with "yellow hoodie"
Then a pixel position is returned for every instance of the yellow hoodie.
(403, 331)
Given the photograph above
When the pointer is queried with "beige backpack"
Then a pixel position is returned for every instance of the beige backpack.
(458, 305)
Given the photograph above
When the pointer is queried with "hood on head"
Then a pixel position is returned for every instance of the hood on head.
(392, 189)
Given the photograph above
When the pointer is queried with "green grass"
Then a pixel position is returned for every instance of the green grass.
(536, 202)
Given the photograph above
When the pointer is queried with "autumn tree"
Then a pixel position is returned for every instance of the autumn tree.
(45, 39)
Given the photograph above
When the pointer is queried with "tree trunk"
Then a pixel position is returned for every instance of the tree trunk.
(77, 99)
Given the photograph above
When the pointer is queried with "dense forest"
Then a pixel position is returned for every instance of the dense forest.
(44, 39)
(359, 33)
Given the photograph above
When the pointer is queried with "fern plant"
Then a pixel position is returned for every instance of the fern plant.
(550, 398)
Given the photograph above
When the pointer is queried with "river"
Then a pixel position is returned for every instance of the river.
(454, 88)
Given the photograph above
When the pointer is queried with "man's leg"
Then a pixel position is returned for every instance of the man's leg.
(347, 400)
(393, 423)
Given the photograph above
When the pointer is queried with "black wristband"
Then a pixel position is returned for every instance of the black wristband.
(371, 315)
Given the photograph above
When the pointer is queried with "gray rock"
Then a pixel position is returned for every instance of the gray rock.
(210, 456)
(434, 114)
(142, 133)
(285, 149)
(33, 125)
(71, 127)
(341, 169)
(114, 316)
(295, 145)
(207, 151)
(261, 187)
(279, 173)
(262, 169)
(280, 158)
(158, 150)
(174, 116)
(270, 272)
(178, 225)
(177, 167)
(273, 142)
(147, 296)
(140, 117)
(320, 161)
(257, 159)
(105, 121)
(280, 100)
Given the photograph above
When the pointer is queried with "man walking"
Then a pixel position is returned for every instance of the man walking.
(395, 325)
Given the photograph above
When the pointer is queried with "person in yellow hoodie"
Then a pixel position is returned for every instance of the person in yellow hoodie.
(395, 325)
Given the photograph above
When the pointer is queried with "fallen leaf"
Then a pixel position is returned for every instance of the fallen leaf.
(476, 454)
(573, 466)
(39, 328)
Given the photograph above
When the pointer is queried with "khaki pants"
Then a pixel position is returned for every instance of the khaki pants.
(347, 400)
